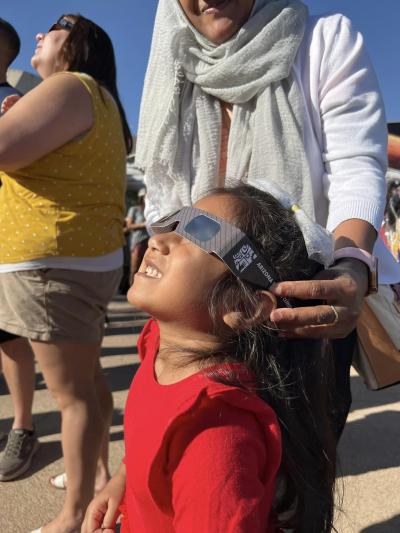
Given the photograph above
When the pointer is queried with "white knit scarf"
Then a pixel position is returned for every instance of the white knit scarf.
(179, 132)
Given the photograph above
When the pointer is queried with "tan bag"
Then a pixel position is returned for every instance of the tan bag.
(377, 355)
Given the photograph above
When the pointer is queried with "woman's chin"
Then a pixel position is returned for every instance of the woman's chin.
(35, 63)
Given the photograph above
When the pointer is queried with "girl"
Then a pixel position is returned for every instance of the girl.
(225, 423)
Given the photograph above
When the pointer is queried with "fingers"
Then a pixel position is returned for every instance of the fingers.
(110, 518)
(320, 321)
(317, 322)
(94, 517)
(9, 101)
(319, 315)
(315, 289)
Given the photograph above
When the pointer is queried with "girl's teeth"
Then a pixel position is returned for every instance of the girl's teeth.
(153, 272)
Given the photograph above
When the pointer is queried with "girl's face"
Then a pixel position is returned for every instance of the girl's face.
(176, 275)
(46, 58)
(217, 20)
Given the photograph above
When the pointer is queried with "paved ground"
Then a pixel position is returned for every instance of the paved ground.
(370, 448)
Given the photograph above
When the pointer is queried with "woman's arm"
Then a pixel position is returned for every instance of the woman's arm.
(354, 138)
(52, 114)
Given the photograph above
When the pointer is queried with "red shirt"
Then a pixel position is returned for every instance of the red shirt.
(200, 456)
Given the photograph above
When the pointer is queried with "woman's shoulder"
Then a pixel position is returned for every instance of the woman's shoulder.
(84, 83)
(78, 79)
(327, 41)
(328, 26)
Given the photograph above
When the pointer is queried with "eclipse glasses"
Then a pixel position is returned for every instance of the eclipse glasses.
(216, 236)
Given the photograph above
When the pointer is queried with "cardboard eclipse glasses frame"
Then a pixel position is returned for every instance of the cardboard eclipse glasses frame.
(216, 236)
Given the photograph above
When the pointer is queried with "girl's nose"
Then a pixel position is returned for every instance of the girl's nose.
(163, 241)
(39, 37)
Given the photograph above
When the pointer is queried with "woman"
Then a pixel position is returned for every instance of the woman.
(259, 90)
(62, 152)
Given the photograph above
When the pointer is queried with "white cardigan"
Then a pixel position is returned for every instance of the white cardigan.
(345, 132)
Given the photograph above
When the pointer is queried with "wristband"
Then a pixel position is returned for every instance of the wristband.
(368, 259)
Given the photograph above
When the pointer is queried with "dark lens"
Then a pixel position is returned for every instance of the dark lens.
(61, 24)
(202, 228)
(65, 23)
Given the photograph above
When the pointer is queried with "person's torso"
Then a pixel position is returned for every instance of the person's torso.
(152, 414)
(305, 70)
(71, 201)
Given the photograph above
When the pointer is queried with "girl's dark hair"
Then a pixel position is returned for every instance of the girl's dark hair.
(89, 49)
(291, 375)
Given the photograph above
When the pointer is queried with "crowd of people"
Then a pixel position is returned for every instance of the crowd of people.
(251, 248)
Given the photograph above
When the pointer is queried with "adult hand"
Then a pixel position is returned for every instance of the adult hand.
(9, 101)
(343, 286)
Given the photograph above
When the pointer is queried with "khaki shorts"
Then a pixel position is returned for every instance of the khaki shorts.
(54, 304)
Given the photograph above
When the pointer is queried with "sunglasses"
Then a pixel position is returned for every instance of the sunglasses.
(216, 236)
(62, 24)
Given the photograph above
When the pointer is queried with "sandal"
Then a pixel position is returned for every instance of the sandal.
(59, 481)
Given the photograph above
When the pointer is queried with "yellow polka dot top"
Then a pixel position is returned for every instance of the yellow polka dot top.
(71, 201)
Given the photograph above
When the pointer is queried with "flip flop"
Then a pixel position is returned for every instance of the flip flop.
(37, 530)
(58, 482)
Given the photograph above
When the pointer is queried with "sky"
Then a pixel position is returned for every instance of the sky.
(130, 23)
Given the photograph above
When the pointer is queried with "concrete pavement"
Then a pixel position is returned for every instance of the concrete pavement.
(369, 451)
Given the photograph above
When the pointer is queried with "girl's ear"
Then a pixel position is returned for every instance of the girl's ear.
(237, 320)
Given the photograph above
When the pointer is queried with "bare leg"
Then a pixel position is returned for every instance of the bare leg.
(106, 404)
(69, 370)
(19, 373)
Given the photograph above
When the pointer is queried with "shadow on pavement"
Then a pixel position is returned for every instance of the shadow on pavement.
(391, 526)
(49, 423)
(126, 315)
(121, 350)
(119, 378)
(376, 440)
(122, 330)
(117, 436)
(365, 398)
(48, 453)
